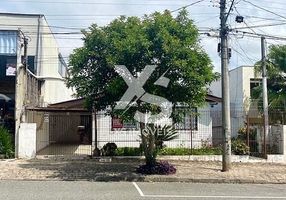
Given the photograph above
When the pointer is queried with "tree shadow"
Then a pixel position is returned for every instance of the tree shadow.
(85, 169)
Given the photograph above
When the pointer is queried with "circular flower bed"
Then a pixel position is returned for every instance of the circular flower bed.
(162, 168)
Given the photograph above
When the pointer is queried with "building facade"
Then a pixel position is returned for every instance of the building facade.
(32, 71)
(242, 80)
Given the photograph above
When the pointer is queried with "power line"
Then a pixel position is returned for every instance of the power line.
(258, 35)
(186, 6)
(95, 3)
(264, 18)
(266, 10)
(260, 26)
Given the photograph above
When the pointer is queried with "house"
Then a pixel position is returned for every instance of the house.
(193, 131)
(67, 128)
(242, 80)
(32, 70)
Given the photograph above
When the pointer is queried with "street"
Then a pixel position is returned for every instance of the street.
(85, 190)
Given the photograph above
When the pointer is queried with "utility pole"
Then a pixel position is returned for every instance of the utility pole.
(226, 157)
(19, 90)
(265, 96)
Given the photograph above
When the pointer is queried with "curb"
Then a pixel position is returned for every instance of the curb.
(158, 179)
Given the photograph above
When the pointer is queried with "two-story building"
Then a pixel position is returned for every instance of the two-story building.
(32, 70)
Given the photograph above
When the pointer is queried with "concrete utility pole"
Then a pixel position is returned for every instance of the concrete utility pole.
(19, 90)
(226, 157)
(265, 96)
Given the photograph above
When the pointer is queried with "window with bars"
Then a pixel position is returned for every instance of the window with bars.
(188, 118)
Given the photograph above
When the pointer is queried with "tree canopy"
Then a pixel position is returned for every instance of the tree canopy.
(276, 78)
(170, 43)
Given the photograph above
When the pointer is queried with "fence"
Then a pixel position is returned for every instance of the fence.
(192, 131)
(70, 133)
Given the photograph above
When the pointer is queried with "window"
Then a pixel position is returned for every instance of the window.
(188, 119)
(8, 42)
(62, 68)
(31, 64)
(119, 124)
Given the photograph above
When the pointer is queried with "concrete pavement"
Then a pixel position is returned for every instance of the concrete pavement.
(124, 170)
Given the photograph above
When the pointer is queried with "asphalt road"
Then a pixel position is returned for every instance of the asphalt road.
(84, 190)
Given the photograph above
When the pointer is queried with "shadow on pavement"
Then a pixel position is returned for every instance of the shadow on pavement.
(85, 169)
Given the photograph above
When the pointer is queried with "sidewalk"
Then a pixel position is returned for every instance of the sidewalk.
(124, 170)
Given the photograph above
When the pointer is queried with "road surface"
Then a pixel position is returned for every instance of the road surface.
(85, 190)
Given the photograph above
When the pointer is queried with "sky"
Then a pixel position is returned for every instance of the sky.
(73, 15)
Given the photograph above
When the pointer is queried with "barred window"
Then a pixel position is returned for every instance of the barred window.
(188, 119)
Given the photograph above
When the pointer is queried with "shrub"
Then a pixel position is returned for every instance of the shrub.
(128, 151)
(161, 168)
(6, 144)
(109, 149)
(153, 138)
(187, 151)
(175, 151)
(239, 147)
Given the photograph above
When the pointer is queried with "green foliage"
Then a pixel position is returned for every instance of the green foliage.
(242, 137)
(276, 82)
(239, 147)
(128, 151)
(157, 39)
(171, 43)
(153, 138)
(6, 144)
(109, 149)
(178, 151)
(187, 151)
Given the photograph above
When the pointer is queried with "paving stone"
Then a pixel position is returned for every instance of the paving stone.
(124, 170)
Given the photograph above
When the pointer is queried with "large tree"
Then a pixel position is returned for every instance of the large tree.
(170, 43)
(276, 83)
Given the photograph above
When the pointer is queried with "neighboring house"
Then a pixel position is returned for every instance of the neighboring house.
(242, 80)
(32, 81)
(44, 60)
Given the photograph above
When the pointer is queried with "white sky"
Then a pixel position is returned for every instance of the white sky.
(81, 14)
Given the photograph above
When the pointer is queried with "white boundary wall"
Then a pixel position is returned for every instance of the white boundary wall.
(27, 140)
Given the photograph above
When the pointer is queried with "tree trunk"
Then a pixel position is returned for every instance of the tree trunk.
(148, 145)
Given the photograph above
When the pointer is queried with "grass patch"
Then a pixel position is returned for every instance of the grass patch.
(136, 151)
(187, 151)
(128, 151)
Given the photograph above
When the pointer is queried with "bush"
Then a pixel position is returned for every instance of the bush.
(109, 149)
(187, 151)
(6, 144)
(128, 151)
(161, 168)
(239, 147)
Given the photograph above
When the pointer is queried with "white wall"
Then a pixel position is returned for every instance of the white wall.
(239, 86)
(131, 138)
(54, 89)
(27, 140)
